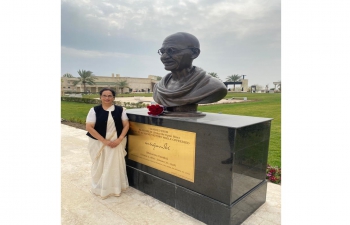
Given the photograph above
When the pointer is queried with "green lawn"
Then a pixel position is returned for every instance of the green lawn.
(262, 105)
(75, 111)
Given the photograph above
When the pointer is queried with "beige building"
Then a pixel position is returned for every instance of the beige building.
(242, 82)
(134, 84)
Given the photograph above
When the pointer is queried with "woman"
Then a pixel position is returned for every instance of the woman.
(107, 125)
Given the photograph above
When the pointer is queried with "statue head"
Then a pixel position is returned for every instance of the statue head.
(178, 51)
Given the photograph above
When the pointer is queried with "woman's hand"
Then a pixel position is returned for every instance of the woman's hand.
(106, 142)
(115, 143)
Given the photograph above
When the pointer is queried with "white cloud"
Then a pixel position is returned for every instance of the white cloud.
(213, 18)
(108, 4)
(182, 3)
(236, 36)
(72, 52)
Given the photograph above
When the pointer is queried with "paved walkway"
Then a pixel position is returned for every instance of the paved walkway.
(133, 207)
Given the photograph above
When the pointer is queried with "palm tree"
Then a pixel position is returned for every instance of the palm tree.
(86, 77)
(214, 75)
(233, 78)
(67, 75)
(122, 84)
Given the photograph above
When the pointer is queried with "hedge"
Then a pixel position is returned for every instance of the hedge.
(127, 105)
(82, 100)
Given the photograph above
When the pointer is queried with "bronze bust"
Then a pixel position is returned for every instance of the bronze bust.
(185, 86)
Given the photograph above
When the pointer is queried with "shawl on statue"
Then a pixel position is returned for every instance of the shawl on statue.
(199, 89)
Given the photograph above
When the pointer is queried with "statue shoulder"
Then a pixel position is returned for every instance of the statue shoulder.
(164, 79)
(218, 83)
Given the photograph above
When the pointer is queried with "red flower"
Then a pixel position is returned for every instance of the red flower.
(272, 179)
(273, 174)
(272, 170)
(155, 110)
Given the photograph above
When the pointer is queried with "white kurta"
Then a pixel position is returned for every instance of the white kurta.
(108, 171)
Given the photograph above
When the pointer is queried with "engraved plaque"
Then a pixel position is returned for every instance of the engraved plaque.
(169, 150)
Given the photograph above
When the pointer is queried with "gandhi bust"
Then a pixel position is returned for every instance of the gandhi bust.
(185, 86)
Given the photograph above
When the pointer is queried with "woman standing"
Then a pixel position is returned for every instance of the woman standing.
(107, 125)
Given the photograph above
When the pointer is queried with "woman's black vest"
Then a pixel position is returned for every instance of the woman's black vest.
(102, 117)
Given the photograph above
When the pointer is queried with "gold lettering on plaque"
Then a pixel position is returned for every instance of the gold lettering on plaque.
(169, 150)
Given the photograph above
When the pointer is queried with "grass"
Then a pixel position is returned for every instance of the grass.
(261, 105)
(75, 111)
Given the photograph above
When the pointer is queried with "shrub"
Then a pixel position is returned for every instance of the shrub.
(273, 174)
(128, 105)
(76, 120)
(82, 100)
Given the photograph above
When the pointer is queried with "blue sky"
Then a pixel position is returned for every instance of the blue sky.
(123, 36)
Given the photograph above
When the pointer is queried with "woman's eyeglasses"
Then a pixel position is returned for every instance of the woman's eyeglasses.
(107, 96)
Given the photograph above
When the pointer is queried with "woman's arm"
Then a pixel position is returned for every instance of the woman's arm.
(125, 129)
(90, 124)
(90, 128)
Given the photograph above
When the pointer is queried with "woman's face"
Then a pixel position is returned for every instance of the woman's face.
(107, 97)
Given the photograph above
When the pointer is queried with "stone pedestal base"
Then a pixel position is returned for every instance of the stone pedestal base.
(195, 204)
(184, 114)
(229, 167)
(183, 111)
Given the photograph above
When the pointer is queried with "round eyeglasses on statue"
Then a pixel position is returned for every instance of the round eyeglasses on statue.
(171, 51)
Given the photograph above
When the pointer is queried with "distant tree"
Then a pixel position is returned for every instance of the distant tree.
(122, 84)
(86, 77)
(67, 75)
(214, 75)
(233, 78)
(159, 78)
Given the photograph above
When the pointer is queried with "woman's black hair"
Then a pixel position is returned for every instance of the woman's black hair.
(107, 89)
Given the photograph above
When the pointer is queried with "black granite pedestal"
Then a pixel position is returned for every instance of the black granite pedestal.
(230, 167)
